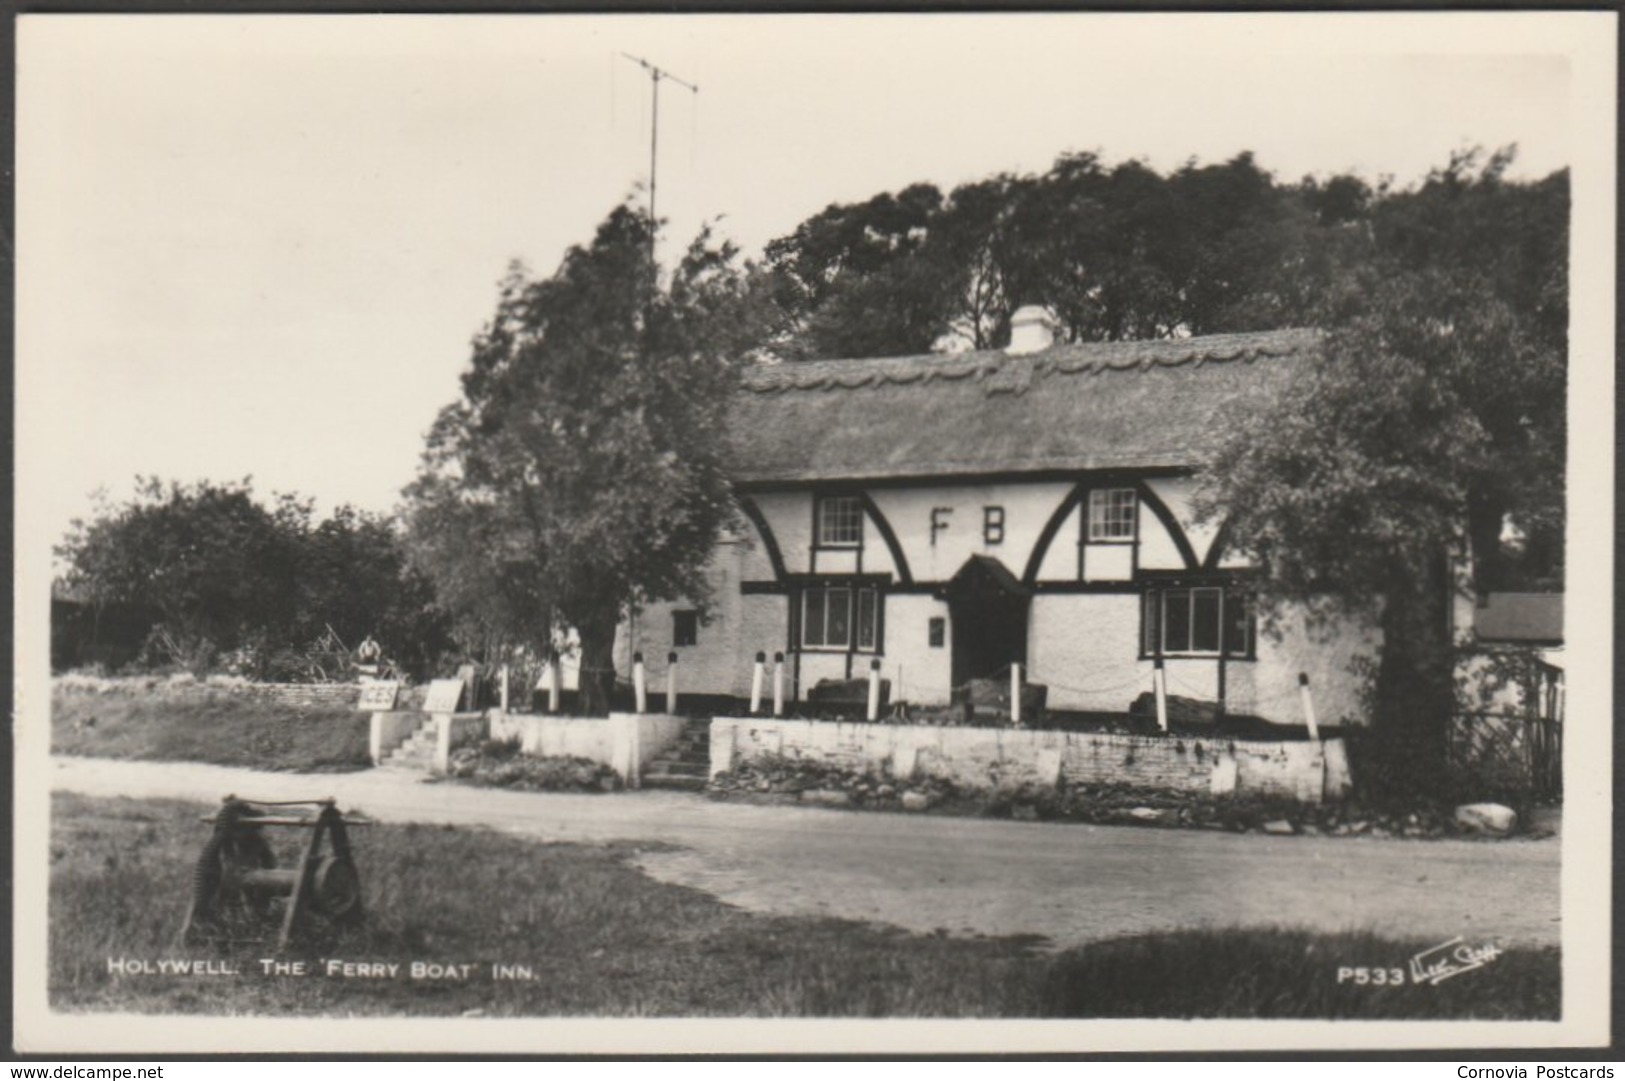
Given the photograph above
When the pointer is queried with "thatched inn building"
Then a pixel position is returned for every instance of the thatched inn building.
(949, 514)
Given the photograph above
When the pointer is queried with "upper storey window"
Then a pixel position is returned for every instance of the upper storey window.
(840, 521)
(1111, 514)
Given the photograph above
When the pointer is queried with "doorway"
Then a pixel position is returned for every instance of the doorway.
(988, 608)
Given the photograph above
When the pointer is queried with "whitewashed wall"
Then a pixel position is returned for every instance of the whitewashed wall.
(1027, 507)
(993, 758)
(709, 664)
(1084, 646)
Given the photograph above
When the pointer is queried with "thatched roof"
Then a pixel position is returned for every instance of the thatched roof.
(1100, 405)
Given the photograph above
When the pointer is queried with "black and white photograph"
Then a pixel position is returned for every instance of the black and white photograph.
(962, 533)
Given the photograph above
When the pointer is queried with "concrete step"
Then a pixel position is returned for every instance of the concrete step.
(404, 767)
(679, 767)
(674, 780)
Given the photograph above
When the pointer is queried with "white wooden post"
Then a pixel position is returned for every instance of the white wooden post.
(671, 683)
(555, 682)
(756, 683)
(778, 684)
(1159, 679)
(874, 689)
(503, 688)
(1015, 693)
(1308, 706)
(640, 684)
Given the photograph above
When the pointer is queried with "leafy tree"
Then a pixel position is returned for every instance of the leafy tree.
(582, 471)
(862, 279)
(1434, 416)
(354, 579)
(207, 558)
(221, 572)
(1116, 252)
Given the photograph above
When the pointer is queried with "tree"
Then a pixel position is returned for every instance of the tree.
(1116, 252)
(1434, 416)
(210, 561)
(354, 579)
(582, 471)
(223, 573)
(862, 279)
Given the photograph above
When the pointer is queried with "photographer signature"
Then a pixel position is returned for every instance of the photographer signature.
(1434, 966)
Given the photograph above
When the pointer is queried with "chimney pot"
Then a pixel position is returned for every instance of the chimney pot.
(1031, 330)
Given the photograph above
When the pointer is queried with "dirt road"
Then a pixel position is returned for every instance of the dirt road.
(1071, 883)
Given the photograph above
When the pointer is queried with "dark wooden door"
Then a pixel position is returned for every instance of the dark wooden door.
(989, 634)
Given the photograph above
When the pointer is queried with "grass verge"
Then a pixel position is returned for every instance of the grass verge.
(208, 726)
(600, 938)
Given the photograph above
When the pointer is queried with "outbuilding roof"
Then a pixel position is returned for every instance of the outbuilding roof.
(1520, 617)
(1097, 405)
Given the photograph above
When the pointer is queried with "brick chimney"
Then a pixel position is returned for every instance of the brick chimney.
(1031, 330)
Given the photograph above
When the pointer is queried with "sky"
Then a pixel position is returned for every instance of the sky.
(260, 245)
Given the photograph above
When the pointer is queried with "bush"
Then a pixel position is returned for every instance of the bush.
(498, 763)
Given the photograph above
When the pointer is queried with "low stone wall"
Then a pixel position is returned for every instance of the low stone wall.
(326, 695)
(302, 694)
(626, 742)
(992, 758)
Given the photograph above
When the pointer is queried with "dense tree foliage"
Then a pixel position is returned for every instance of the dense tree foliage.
(583, 470)
(218, 573)
(1429, 438)
(1116, 252)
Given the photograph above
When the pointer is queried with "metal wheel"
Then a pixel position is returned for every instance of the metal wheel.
(336, 888)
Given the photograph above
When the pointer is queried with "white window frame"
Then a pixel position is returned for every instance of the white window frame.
(1154, 640)
(1106, 526)
(824, 503)
(854, 636)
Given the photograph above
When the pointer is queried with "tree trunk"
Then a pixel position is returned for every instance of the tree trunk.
(1484, 518)
(597, 663)
(1415, 681)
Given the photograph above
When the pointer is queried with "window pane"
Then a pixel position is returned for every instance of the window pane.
(840, 520)
(685, 628)
(1176, 621)
(840, 618)
(812, 618)
(1111, 514)
(1149, 632)
(1205, 620)
(866, 618)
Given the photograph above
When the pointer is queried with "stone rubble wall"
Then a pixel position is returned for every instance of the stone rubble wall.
(994, 758)
(302, 694)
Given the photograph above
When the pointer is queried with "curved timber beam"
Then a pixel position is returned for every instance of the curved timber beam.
(1051, 527)
(765, 531)
(885, 530)
(1216, 550)
(1171, 524)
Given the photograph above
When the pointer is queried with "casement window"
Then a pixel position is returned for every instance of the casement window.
(1197, 621)
(840, 617)
(1111, 514)
(685, 627)
(840, 521)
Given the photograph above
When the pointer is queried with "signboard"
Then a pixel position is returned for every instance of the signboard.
(444, 694)
(378, 696)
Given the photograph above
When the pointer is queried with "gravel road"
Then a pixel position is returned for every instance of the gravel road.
(1069, 883)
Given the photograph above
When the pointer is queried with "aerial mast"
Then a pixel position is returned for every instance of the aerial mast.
(656, 74)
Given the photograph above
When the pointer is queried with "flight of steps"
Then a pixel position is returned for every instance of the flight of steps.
(416, 754)
(685, 764)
